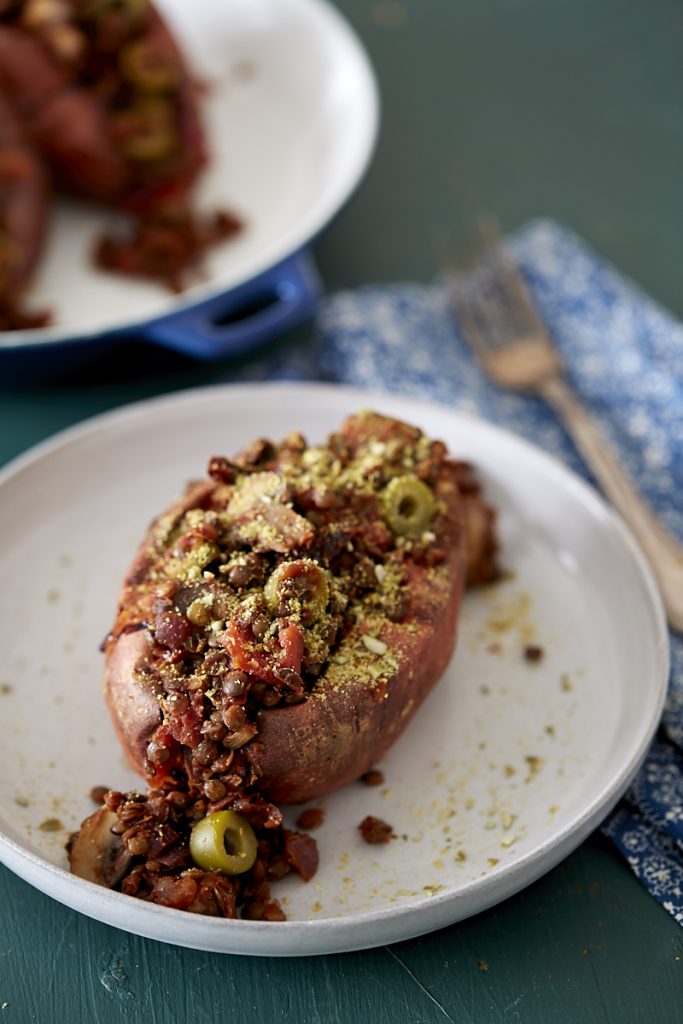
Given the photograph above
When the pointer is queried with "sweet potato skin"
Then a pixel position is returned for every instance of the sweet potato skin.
(131, 696)
(132, 699)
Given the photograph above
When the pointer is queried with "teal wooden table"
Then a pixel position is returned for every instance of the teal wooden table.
(565, 108)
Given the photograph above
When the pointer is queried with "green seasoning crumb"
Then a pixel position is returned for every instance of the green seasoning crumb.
(6, 688)
(51, 825)
(190, 566)
(534, 764)
(431, 890)
(165, 530)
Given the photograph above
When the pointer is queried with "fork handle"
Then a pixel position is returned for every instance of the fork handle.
(663, 551)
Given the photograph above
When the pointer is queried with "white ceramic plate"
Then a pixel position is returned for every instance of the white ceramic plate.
(291, 118)
(505, 770)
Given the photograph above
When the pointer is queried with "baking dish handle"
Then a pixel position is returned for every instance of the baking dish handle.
(252, 313)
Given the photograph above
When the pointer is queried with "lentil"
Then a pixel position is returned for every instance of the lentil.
(375, 831)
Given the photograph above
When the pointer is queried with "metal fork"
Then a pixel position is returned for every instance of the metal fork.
(504, 329)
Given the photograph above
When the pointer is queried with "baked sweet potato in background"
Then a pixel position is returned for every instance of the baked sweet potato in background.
(104, 95)
(109, 109)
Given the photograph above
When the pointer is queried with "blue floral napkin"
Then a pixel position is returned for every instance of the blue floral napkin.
(624, 356)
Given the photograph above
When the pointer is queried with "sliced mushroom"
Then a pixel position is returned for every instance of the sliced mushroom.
(273, 528)
(96, 854)
(255, 491)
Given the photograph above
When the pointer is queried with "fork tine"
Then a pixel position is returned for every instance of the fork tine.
(463, 306)
(492, 304)
(511, 279)
(466, 313)
(497, 317)
(456, 257)
(496, 303)
(481, 308)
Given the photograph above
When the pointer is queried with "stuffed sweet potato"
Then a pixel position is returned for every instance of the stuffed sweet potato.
(278, 629)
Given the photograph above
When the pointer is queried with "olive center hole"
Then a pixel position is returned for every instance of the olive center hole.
(231, 842)
(407, 507)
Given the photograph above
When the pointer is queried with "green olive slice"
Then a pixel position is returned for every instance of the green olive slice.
(149, 67)
(147, 130)
(408, 505)
(223, 841)
(300, 580)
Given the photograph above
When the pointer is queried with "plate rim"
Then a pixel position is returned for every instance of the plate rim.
(290, 243)
(424, 914)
